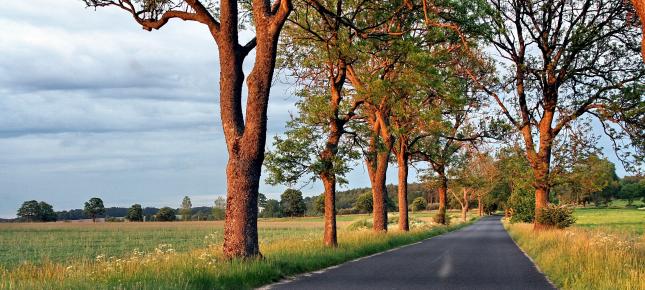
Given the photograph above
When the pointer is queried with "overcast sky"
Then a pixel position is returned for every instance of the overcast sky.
(92, 105)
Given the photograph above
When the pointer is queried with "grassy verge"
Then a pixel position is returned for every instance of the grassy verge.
(204, 268)
(588, 256)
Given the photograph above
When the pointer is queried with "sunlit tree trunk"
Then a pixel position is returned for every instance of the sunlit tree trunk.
(402, 161)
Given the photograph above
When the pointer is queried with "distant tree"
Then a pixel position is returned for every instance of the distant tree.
(94, 207)
(364, 203)
(186, 208)
(29, 211)
(419, 204)
(219, 209)
(632, 191)
(262, 200)
(272, 209)
(318, 204)
(47, 213)
(166, 214)
(292, 203)
(135, 213)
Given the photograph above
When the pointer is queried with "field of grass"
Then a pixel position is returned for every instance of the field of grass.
(605, 249)
(179, 255)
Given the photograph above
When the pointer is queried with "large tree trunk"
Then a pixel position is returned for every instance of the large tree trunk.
(402, 161)
(329, 181)
(245, 140)
(379, 192)
(443, 190)
(480, 206)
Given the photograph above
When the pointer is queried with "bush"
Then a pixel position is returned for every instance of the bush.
(166, 214)
(441, 217)
(522, 205)
(419, 204)
(556, 216)
(364, 203)
(433, 206)
(347, 211)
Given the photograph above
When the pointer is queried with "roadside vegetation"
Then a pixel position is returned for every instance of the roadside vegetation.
(605, 249)
(182, 255)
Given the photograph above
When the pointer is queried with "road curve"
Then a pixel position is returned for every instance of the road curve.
(480, 256)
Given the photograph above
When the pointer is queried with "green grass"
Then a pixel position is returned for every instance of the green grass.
(605, 249)
(64, 255)
(631, 221)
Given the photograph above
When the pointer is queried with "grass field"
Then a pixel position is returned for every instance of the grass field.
(605, 249)
(178, 255)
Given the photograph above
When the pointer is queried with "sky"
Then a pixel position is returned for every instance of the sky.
(92, 105)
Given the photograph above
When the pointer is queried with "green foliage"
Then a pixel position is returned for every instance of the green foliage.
(272, 209)
(292, 203)
(522, 205)
(556, 216)
(219, 208)
(186, 208)
(632, 188)
(166, 214)
(135, 213)
(94, 207)
(318, 205)
(36, 211)
(364, 203)
(441, 217)
(419, 204)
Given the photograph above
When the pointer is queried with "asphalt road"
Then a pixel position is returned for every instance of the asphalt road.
(480, 256)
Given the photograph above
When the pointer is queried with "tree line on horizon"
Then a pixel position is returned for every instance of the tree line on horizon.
(410, 82)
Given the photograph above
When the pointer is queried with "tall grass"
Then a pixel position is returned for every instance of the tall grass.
(287, 251)
(579, 258)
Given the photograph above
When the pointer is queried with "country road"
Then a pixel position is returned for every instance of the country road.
(480, 256)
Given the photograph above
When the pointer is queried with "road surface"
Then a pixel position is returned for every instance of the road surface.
(480, 256)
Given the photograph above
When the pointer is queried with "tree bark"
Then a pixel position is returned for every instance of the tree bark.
(402, 161)
(480, 206)
(443, 190)
(245, 139)
(466, 205)
(379, 191)
(330, 238)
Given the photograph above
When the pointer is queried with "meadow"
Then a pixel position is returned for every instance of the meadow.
(605, 249)
(181, 255)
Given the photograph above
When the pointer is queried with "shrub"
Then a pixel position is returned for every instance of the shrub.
(419, 204)
(166, 214)
(441, 217)
(364, 203)
(556, 216)
(347, 211)
(522, 205)
(433, 206)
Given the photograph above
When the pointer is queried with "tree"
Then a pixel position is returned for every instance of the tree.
(292, 204)
(166, 214)
(588, 178)
(46, 213)
(135, 213)
(567, 60)
(186, 208)
(94, 207)
(220, 206)
(632, 188)
(272, 209)
(364, 203)
(30, 211)
(245, 133)
(262, 201)
(419, 204)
